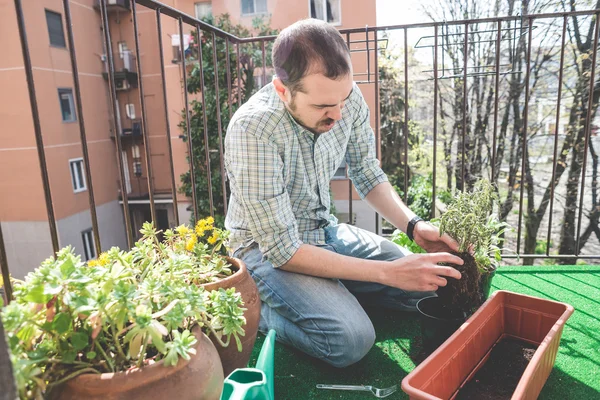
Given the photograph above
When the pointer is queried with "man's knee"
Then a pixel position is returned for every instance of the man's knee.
(348, 343)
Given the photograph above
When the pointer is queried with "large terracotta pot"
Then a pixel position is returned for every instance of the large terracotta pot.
(241, 280)
(199, 378)
(504, 315)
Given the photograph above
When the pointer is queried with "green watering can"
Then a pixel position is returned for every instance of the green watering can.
(253, 383)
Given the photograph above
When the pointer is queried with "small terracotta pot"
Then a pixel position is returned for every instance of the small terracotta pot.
(241, 280)
(504, 314)
(199, 378)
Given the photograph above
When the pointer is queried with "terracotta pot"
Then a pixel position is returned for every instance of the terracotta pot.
(504, 314)
(241, 280)
(199, 378)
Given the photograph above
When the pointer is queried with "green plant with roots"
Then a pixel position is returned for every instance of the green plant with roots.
(471, 219)
(123, 310)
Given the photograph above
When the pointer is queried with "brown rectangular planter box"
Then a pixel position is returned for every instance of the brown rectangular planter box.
(504, 314)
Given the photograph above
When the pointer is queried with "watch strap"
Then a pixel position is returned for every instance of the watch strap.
(411, 227)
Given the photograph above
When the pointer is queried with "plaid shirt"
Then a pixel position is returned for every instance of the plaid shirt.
(279, 173)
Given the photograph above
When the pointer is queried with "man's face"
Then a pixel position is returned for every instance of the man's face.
(319, 105)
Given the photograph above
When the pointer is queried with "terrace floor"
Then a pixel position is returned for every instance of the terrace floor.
(576, 373)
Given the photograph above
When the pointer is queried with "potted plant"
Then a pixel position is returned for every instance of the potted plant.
(128, 325)
(507, 349)
(208, 242)
(471, 220)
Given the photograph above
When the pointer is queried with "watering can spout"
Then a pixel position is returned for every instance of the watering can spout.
(254, 383)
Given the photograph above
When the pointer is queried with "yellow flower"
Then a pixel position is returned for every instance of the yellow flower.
(210, 220)
(213, 239)
(183, 230)
(103, 259)
(200, 228)
(93, 263)
(191, 242)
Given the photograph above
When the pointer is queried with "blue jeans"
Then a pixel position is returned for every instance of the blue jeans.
(323, 317)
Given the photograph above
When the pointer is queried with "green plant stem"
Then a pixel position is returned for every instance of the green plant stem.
(224, 344)
(117, 344)
(108, 361)
(73, 375)
(165, 310)
(124, 330)
(55, 361)
(143, 352)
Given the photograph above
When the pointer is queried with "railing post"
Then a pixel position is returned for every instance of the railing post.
(7, 381)
(39, 141)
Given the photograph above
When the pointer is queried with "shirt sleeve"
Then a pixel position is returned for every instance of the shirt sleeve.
(363, 165)
(255, 171)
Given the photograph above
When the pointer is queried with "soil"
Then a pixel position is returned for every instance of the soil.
(442, 310)
(500, 375)
(464, 293)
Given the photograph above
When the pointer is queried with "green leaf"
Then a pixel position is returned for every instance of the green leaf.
(171, 358)
(47, 326)
(61, 323)
(37, 295)
(69, 356)
(52, 289)
(79, 340)
(157, 340)
(135, 345)
(26, 334)
(90, 355)
(67, 267)
(238, 342)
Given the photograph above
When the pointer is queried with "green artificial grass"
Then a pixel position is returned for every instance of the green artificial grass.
(576, 373)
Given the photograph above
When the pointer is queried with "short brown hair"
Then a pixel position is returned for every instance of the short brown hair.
(309, 45)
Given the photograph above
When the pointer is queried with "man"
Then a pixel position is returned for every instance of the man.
(281, 150)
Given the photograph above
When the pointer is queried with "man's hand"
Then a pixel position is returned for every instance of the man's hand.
(420, 272)
(428, 237)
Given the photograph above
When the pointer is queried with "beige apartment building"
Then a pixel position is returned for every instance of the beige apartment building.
(22, 203)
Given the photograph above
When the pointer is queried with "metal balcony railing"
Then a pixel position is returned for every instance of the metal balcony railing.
(367, 41)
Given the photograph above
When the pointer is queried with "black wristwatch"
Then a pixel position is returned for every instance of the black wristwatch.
(411, 227)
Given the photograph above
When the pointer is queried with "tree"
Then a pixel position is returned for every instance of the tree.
(391, 108)
(584, 43)
(250, 59)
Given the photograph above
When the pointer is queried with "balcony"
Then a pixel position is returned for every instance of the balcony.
(135, 131)
(114, 5)
(125, 75)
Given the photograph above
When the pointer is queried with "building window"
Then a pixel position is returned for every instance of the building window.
(250, 7)
(77, 175)
(130, 110)
(326, 10)
(137, 168)
(123, 49)
(55, 29)
(67, 105)
(176, 45)
(89, 248)
(203, 10)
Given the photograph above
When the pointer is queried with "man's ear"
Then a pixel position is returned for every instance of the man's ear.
(282, 91)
